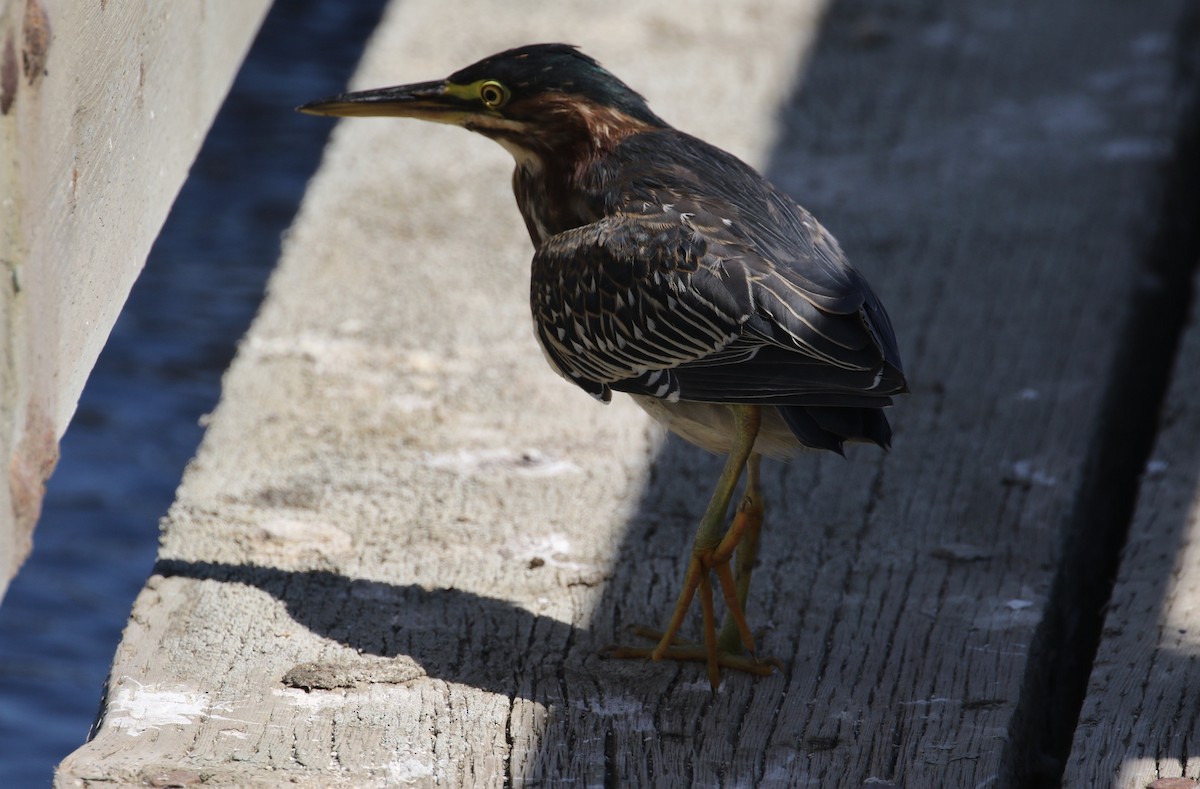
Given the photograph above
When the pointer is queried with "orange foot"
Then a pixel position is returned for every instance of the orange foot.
(735, 648)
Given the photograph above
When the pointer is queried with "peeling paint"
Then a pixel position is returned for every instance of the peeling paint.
(35, 46)
(145, 708)
(28, 469)
(8, 76)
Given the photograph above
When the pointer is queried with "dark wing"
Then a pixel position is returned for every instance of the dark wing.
(629, 298)
(674, 298)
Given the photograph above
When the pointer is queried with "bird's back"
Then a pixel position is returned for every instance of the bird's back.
(690, 281)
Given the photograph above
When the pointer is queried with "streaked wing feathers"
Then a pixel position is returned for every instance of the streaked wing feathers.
(676, 300)
(623, 297)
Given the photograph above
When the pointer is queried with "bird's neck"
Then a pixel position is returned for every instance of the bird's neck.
(547, 198)
(559, 180)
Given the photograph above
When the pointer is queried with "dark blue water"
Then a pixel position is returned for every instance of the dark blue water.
(137, 422)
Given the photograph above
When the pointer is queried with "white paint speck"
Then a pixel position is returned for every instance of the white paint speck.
(408, 771)
(927, 702)
(139, 709)
(527, 462)
(410, 403)
(554, 548)
(1023, 471)
(323, 536)
(1156, 468)
(310, 701)
(1007, 613)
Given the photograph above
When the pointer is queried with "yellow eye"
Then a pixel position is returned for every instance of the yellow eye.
(493, 94)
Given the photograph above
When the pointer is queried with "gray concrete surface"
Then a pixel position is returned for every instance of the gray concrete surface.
(102, 111)
(404, 541)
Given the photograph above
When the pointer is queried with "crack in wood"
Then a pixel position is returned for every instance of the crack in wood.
(1065, 645)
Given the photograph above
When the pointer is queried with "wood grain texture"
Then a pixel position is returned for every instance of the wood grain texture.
(1141, 720)
(404, 543)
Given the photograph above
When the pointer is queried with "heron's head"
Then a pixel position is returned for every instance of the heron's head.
(530, 99)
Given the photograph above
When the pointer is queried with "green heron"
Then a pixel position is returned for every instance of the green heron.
(668, 269)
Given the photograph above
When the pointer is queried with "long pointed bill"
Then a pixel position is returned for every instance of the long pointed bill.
(432, 101)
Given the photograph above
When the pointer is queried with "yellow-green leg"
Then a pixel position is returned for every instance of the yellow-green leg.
(714, 550)
(746, 529)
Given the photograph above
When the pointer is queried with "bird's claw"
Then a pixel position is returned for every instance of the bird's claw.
(734, 649)
(684, 650)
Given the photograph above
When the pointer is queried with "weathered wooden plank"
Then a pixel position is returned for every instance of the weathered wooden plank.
(392, 452)
(404, 542)
(103, 107)
(994, 171)
(1140, 722)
